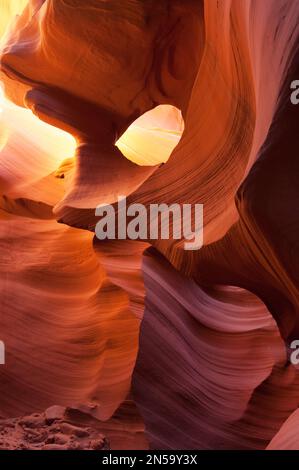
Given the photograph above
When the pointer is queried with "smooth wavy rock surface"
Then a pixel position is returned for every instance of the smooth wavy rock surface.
(176, 101)
(287, 437)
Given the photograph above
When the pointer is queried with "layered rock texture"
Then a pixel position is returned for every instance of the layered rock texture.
(141, 343)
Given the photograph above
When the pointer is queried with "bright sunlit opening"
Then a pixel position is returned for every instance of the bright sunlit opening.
(25, 133)
(151, 139)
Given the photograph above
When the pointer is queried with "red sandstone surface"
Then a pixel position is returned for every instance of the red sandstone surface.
(98, 95)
